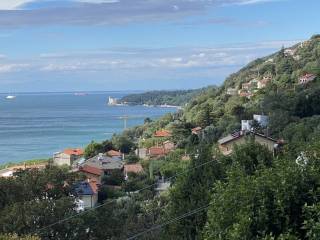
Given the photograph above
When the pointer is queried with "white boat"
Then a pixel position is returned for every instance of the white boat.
(10, 97)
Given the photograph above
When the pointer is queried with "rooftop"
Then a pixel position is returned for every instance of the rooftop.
(162, 133)
(74, 151)
(91, 169)
(113, 153)
(133, 168)
(236, 135)
(86, 188)
(104, 162)
(157, 151)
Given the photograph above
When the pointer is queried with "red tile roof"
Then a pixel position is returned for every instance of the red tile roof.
(162, 133)
(133, 168)
(113, 153)
(157, 151)
(92, 170)
(74, 151)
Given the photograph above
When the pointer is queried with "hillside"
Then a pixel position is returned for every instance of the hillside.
(175, 98)
(268, 85)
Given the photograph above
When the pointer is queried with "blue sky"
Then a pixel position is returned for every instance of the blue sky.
(87, 45)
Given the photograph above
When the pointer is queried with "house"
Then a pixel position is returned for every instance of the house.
(232, 91)
(308, 77)
(105, 163)
(92, 173)
(289, 52)
(67, 157)
(162, 134)
(263, 82)
(196, 130)
(245, 86)
(141, 152)
(227, 143)
(245, 93)
(87, 193)
(113, 153)
(168, 145)
(253, 84)
(246, 125)
(157, 152)
(263, 120)
(132, 168)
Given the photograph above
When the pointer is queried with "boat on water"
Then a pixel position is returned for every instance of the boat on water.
(80, 94)
(10, 97)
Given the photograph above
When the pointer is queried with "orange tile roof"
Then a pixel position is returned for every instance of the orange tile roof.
(92, 170)
(113, 153)
(162, 133)
(133, 168)
(157, 151)
(74, 151)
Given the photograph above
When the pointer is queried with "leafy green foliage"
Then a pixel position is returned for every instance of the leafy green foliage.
(176, 98)
(191, 191)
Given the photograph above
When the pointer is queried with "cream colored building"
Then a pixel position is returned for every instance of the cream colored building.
(226, 144)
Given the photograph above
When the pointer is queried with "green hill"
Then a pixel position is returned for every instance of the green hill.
(282, 97)
(175, 98)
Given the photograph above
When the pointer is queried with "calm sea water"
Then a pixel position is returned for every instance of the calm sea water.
(37, 125)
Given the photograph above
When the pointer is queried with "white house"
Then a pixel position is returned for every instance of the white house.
(67, 157)
(263, 120)
(308, 77)
(246, 125)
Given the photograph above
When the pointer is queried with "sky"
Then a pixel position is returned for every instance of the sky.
(111, 45)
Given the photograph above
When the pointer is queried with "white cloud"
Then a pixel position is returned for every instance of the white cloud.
(144, 60)
(12, 4)
(248, 2)
(97, 1)
(109, 12)
(13, 67)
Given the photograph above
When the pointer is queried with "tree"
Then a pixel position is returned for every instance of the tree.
(191, 191)
(93, 149)
(123, 143)
(33, 199)
(269, 202)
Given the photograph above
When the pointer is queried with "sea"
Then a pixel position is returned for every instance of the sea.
(36, 125)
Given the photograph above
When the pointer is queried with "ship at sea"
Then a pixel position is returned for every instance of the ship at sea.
(10, 97)
(80, 94)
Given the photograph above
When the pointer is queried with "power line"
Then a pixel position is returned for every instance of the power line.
(155, 227)
(114, 200)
